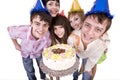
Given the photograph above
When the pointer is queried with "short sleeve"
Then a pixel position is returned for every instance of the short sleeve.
(18, 31)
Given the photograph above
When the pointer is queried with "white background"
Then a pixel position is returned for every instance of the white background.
(16, 12)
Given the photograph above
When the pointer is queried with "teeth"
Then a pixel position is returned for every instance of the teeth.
(53, 12)
(39, 32)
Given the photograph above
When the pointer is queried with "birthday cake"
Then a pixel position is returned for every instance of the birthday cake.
(59, 57)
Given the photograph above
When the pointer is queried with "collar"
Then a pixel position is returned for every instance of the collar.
(30, 36)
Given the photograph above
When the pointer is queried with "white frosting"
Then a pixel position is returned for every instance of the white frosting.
(61, 61)
(59, 64)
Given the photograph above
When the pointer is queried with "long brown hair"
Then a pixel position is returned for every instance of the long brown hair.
(45, 1)
(60, 20)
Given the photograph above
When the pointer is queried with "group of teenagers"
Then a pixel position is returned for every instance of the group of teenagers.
(87, 33)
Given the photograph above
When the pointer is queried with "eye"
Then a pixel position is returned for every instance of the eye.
(76, 19)
(49, 4)
(87, 25)
(57, 4)
(37, 24)
(61, 27)
(46, 25)
(98, 30)
(58, 27)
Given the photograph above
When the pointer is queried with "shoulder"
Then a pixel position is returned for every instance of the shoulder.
(76, 33)
(20, 27)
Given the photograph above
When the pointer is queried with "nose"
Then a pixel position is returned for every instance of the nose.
(58, 31)
(91, 32)
(40, 28)
(55, 7)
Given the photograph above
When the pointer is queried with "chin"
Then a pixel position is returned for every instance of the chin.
(60, 36)
(53, 15)
(86, 41)
(38, 36)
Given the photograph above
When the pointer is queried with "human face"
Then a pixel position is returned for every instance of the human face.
(53, 7)
(75, 21)
(59, 31)
(39, 28)
(92, 30)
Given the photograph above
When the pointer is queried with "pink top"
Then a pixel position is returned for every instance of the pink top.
(29, 45)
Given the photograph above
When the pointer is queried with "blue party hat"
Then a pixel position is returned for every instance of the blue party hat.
(39, 7)
(100, 6)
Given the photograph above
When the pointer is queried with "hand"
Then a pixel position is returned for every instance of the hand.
(18, 47)
(105, 50)
(89, 72)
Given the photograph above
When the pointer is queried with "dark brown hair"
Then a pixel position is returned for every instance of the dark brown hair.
(45, 1)
(101, 17)
(60, 20)
(43, 16)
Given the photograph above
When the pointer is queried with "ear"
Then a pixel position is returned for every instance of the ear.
(31, 23)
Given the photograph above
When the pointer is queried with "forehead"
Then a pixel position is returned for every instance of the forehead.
(94, 22)
(74, 16)
(57, 26)
(37, 19)
(91, 19)
(53, 1)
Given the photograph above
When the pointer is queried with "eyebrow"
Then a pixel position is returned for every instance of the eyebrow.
(95, 26)
(36, 22)
(87, 23)
(99, 28)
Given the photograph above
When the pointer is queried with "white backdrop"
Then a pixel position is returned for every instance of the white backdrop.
(16, 12)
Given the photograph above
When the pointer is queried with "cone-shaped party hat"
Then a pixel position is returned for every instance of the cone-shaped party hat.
(100, 6)
(76, 7)
(39, 7)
